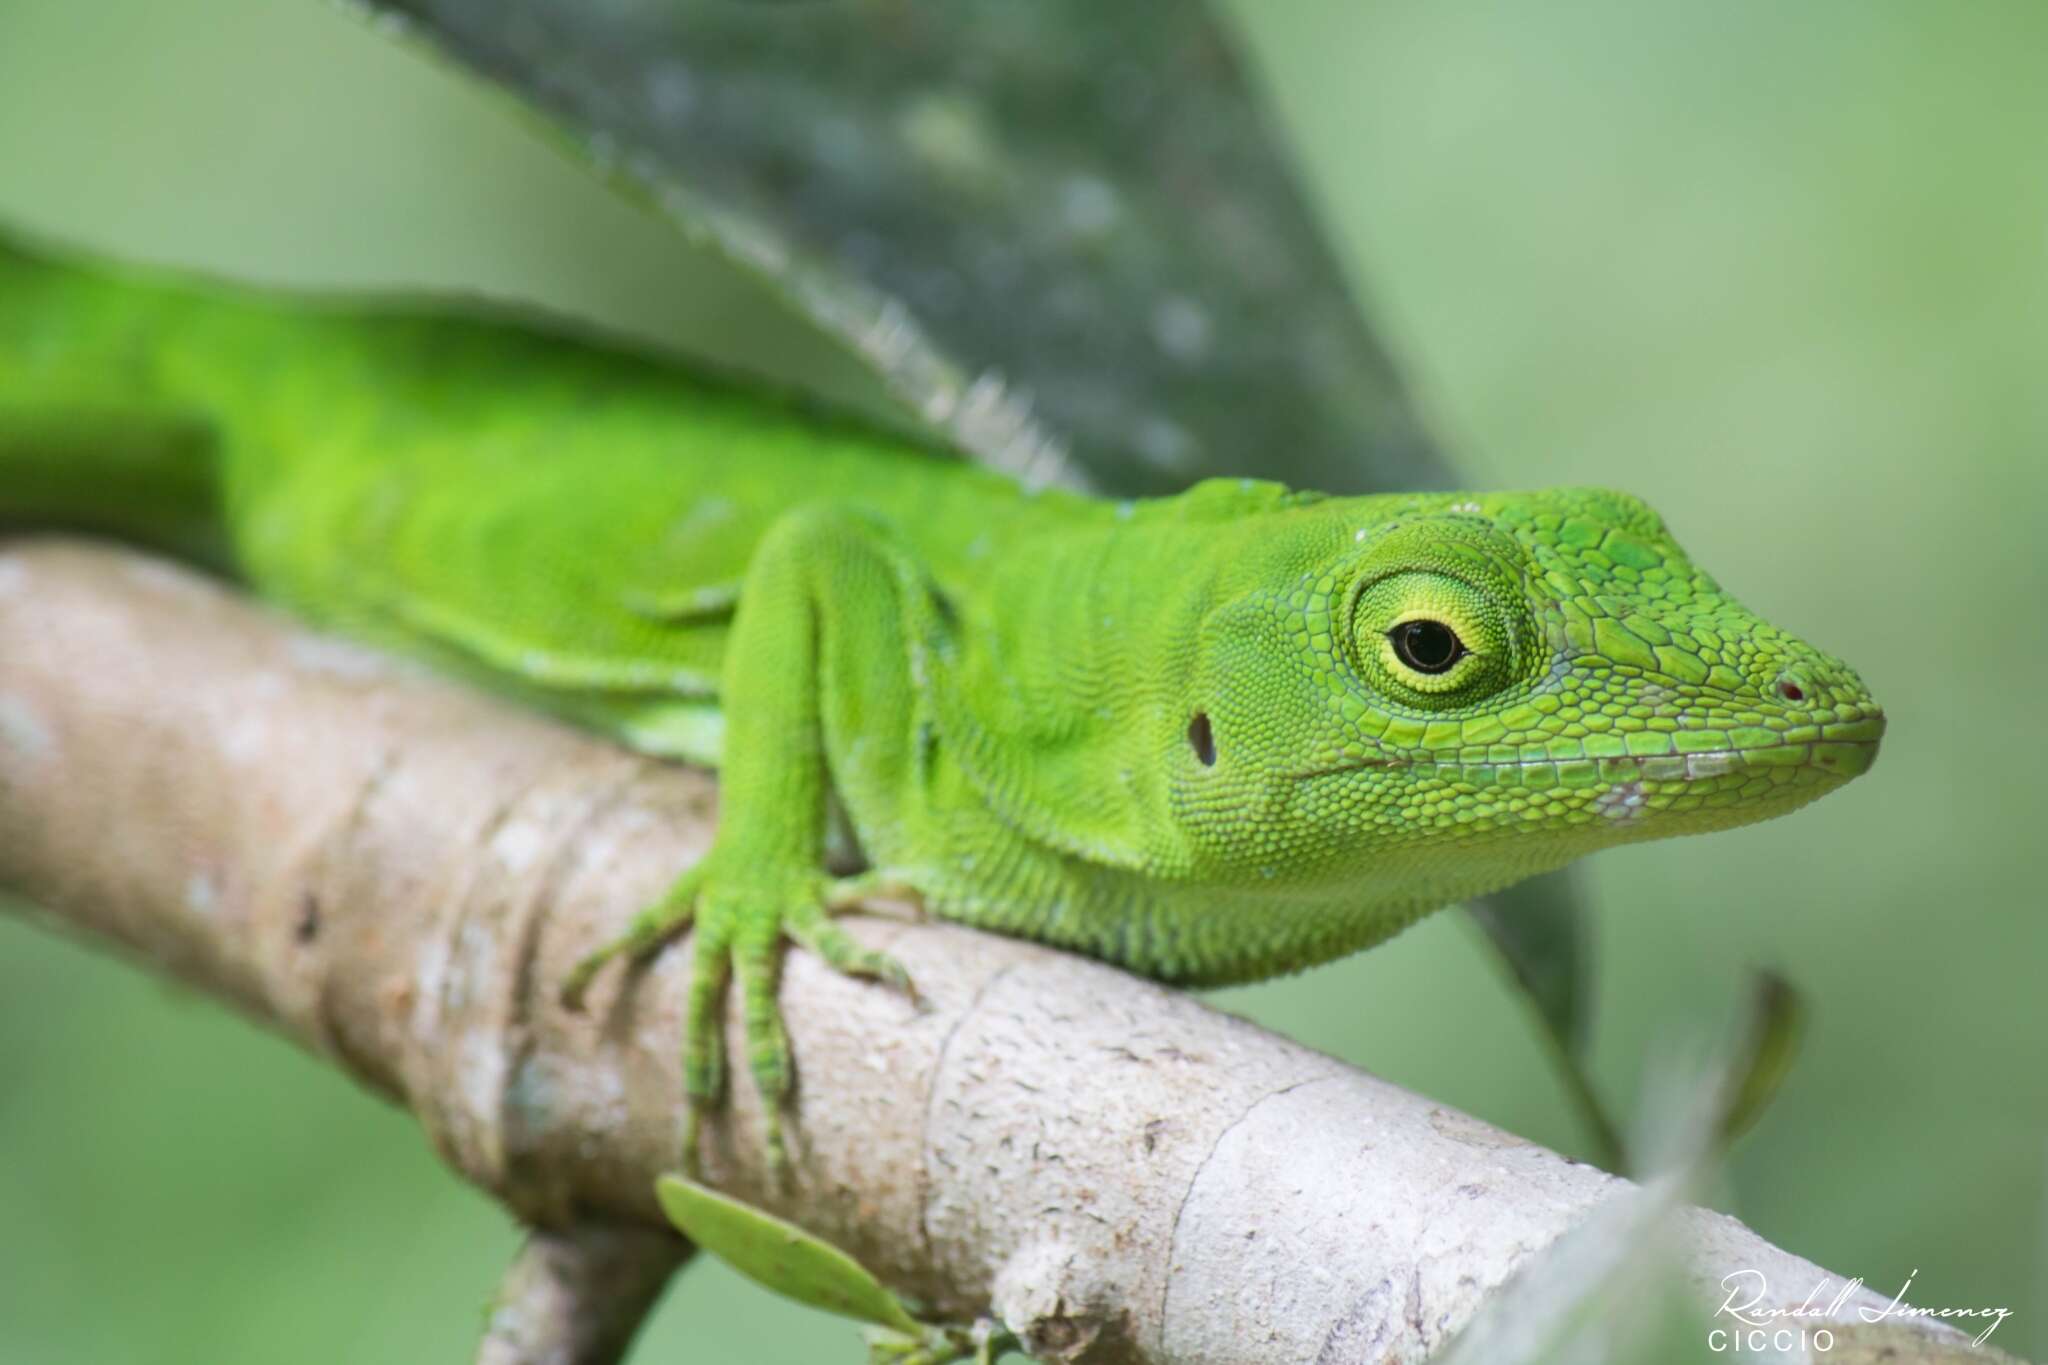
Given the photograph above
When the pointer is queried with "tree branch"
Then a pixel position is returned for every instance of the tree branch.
(396, 873)
(576, 1297)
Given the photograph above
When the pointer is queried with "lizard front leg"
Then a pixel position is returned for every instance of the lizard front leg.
(830, 599)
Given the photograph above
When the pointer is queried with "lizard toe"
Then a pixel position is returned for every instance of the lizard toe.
(650, 931)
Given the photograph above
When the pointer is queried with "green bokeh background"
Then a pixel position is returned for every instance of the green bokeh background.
(1782, 269)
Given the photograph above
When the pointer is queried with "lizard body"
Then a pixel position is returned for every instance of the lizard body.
(1210, 737)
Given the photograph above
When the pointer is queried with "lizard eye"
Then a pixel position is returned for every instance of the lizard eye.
(1439, 616)
(1431, 640)
(1426, 646)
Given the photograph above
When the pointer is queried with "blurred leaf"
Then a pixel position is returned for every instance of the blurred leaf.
(1619, 1288)
(781, 1256)
(1612, 1291)
(1774, 1025)
(1703, 1094)
(1538, 928)
(1054, 225)
(1615, 1289)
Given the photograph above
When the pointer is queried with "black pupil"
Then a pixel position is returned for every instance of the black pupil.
(1426, 646)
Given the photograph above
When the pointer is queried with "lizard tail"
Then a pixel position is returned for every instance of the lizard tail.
(86, 441)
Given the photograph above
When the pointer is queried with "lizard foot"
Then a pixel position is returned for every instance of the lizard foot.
(744, 907)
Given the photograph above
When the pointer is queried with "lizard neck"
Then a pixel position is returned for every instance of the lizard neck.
(1187, 932)
(1065, 683)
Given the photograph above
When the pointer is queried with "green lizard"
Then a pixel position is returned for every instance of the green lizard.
(1209, 737)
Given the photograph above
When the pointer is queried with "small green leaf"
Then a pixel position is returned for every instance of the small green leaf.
(984, 1344)
(781, 1256)
(1775, 1026)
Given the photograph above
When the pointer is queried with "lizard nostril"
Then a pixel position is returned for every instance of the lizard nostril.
(1791, 691)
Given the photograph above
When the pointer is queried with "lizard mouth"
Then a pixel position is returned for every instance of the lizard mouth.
(1839, 752)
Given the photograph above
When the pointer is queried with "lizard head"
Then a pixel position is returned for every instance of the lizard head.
(1438, 695)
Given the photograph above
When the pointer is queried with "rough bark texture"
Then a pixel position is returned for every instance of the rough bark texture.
(396, 873)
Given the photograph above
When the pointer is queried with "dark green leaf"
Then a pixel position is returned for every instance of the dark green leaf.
(1538, 928)
(1535, 926)
(1056, 224)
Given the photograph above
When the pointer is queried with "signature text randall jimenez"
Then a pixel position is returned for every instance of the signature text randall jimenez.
(1746, 1304)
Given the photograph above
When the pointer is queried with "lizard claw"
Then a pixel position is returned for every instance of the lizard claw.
(743, 907)
(650, 930)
